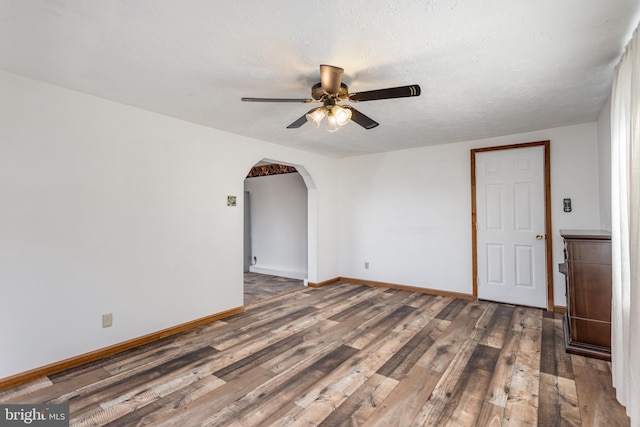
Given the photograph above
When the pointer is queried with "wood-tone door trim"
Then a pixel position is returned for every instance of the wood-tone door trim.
(547, 210)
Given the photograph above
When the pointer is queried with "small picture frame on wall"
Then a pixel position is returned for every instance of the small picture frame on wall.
(231, 200)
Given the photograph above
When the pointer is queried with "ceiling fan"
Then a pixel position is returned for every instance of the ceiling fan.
(330, 91)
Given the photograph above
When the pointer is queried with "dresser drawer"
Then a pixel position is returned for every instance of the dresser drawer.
(589, 252)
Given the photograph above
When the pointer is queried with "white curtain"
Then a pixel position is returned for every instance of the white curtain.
(625, 229)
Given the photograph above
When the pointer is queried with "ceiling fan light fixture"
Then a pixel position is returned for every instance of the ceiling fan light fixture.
(342, 115)
(316, 116)
(332, 122)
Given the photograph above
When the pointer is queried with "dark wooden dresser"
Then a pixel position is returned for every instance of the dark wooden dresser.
(587, 269)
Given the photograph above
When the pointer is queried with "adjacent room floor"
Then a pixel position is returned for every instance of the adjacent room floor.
(259, 287)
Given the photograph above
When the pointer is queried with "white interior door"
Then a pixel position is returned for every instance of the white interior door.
(511, 225)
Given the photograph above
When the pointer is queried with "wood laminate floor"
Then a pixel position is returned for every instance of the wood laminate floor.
(346, 355)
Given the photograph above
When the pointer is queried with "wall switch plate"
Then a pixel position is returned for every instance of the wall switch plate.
(366, 265)
(107, 320)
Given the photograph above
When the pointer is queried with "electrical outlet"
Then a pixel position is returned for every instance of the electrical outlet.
(366, 265)
(107, 320)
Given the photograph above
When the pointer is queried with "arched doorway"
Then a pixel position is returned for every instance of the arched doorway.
(276, 229)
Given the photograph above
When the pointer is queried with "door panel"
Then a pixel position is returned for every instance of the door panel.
(495, 264)
(510, 214)
(522, 206)
(524, 262)
(494, 207)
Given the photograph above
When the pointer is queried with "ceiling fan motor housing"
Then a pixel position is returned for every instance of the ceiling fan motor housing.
(317, 92)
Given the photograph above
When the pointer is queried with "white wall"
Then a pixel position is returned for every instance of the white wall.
(408, 213)
(109, 208)
(604, 164)
(279, 224)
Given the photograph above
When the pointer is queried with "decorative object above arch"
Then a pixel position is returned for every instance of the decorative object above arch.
(270, 169)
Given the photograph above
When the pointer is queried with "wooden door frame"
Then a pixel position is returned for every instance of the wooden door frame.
(547, 213)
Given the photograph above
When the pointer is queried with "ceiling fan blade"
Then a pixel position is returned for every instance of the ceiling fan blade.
(364, 121)
(330, 78)
(277, 100)
(392, 92)
(302, 120)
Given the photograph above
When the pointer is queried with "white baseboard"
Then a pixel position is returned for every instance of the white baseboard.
(300, 275)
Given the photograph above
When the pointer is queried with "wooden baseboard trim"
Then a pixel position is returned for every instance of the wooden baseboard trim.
(325, 283)
(72, 362)
(428, 291)
(560, 309)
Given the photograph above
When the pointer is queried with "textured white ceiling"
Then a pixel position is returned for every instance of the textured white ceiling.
(486, 67)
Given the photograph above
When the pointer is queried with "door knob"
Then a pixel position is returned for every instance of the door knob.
(538, 236)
